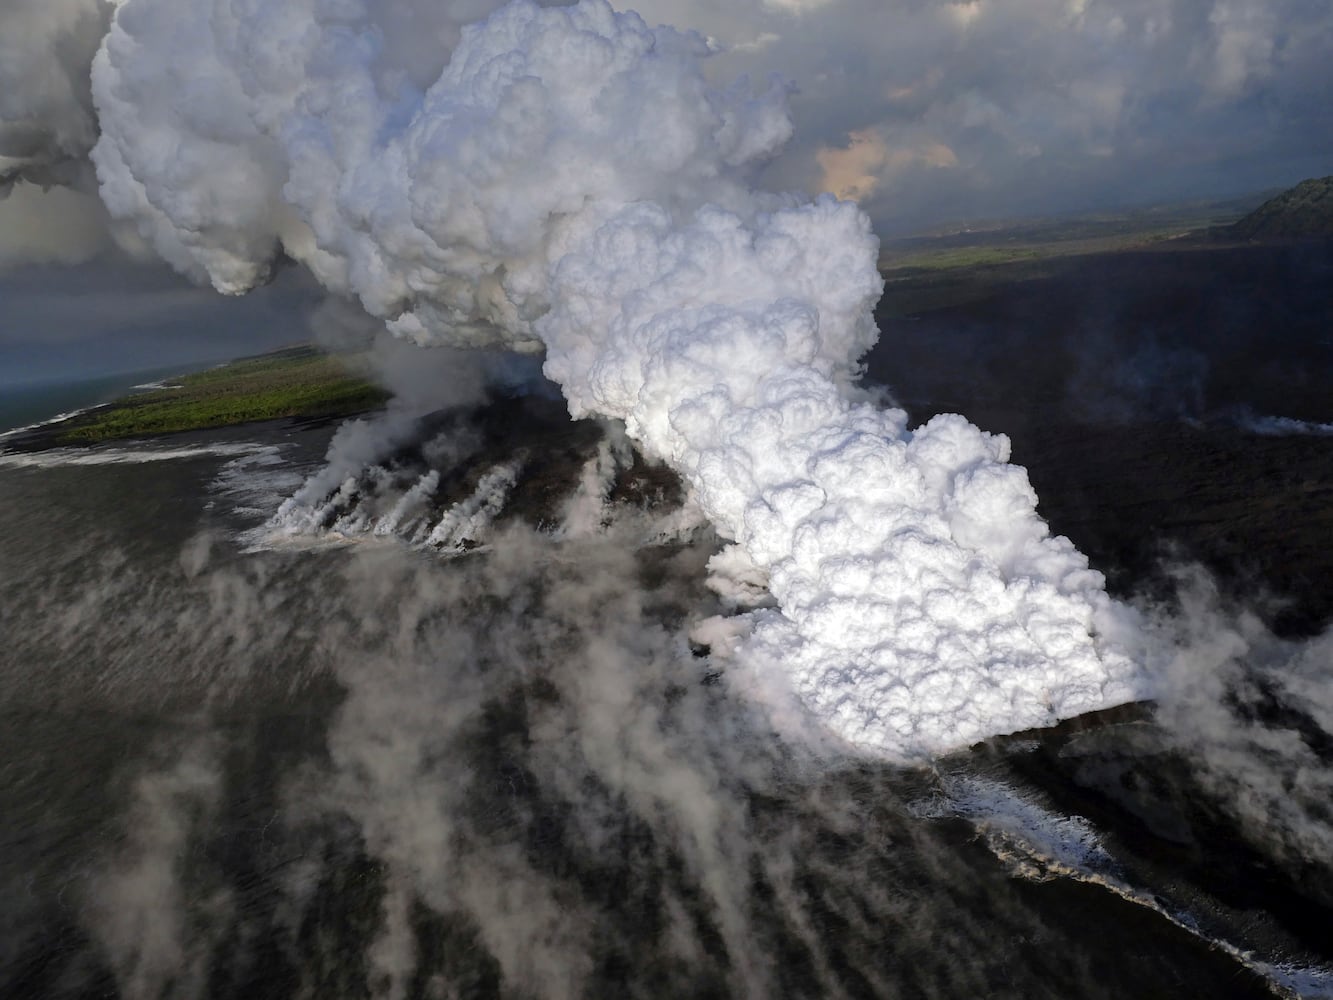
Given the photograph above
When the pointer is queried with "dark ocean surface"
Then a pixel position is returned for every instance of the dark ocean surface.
(22, 405)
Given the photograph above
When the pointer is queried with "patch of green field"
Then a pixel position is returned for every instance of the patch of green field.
(1018, 242)
(961, 276)
(298, 382)
(923, 258)
(924, 273)
(945, 260)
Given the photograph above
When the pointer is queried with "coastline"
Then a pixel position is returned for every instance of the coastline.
(301, 383)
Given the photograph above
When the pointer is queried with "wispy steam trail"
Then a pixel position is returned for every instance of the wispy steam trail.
(569, 181)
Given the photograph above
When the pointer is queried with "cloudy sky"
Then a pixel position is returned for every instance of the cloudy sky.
(930, 111)
(927, 112)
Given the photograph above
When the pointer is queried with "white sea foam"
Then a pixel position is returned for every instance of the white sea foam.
(1039, 840)
(26, 428)
(1037, 843)
(161, 384)
(256, 483)
(58, 457)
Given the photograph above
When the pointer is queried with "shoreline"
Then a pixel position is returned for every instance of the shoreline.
(294, 383)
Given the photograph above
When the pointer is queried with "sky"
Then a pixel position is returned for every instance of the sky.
(66, 322)
(928, 113)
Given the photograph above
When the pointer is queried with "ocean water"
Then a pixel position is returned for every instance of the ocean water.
(23, 405)
(239, 759)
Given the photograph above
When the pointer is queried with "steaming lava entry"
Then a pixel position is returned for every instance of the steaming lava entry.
(356, 761)
(729, 686)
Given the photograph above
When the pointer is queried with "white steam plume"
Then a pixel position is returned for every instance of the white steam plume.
(1254, 716)
(155, 936)
(568, 180)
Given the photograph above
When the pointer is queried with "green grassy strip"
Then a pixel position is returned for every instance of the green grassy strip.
(294, 383)
(947, 260)
(993, 255)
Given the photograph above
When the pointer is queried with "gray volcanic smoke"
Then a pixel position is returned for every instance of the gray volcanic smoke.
(565, 179)
(47, 121)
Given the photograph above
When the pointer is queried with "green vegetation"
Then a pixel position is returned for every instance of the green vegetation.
(1305, 210)
(990, 252)
(961, 257)
(923, 273)
(1042, 239)
(297, 382)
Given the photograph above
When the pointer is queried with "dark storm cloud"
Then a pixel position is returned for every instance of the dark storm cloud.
(926, 110)
(52, 226)
(47, 122)
(115, 316)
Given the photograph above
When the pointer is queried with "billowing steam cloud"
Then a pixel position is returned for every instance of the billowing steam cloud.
(47, 122)
(564, 178)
